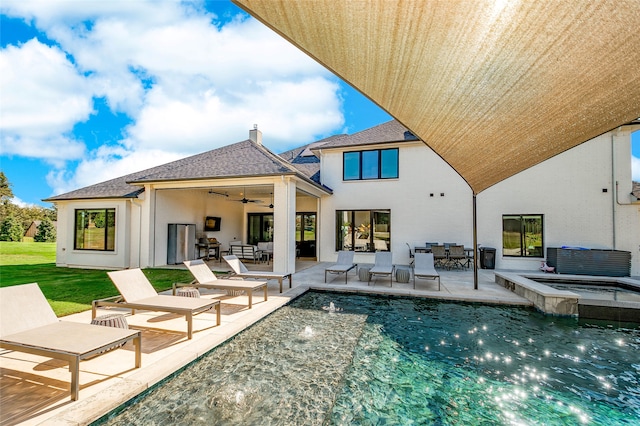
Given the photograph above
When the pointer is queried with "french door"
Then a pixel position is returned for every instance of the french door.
(306, 234)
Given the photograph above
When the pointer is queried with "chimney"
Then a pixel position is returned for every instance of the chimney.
(255, 135)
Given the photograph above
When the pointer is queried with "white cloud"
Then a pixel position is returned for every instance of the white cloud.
(18, 202)
(188, 83)
(635, 169)
(201, 120)
(43, 96)
(55, 150)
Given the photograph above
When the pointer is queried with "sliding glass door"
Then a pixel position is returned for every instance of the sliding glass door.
(260, 228)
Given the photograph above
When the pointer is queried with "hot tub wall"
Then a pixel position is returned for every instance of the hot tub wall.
(612, 263)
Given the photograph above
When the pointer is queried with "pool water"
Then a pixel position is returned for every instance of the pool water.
(599, 292)
(386, 360)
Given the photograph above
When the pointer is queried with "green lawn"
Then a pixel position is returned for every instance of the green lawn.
(68, 290)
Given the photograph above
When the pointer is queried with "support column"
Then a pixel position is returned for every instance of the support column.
(475, 244)
(147, 227)
(284, 224)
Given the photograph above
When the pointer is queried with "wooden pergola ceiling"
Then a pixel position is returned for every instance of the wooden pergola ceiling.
(493, 87)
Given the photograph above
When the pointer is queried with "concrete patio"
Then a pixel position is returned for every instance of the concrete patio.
(35, 390)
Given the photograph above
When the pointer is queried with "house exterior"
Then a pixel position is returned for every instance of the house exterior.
(379, 189)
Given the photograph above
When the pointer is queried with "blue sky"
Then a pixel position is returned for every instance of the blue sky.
(93, 90)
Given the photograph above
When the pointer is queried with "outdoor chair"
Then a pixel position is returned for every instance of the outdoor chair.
(423, 267)
(410, 251)
(28, 324)
(439, 255)
(136, 292)
(265, 250)
(205, 278)
(429, 245)
(383, 266)
(342, 266)
(241, 271)
(457, 256)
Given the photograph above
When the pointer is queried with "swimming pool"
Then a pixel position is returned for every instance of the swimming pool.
(391, 360)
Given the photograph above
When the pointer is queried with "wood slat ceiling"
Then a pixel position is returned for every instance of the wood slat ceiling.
(493, 87)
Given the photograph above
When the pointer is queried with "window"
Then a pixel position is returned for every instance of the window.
(363, 230)
(374, 164)
(95, 229)
(522, 235)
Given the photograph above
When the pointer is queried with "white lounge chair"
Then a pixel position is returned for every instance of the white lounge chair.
(423, 267)
(241, 271)
(343, 265)
(383, 266)
(138, 293)
(28, 324)
(205, 278)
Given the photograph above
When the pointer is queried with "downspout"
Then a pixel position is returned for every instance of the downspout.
(614, 192)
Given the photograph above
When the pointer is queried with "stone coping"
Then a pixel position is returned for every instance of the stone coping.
(547, 299)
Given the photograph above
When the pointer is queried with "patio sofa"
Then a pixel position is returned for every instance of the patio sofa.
(246, 252)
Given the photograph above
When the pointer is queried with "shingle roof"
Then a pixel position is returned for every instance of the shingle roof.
(636, 189)
(244, 158)
(241, 159)
(391, 131)
(303, 159)
(114, 188)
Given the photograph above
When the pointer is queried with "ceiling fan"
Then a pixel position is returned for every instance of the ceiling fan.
(245, 200)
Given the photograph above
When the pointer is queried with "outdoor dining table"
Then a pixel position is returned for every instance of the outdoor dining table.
(422, 249)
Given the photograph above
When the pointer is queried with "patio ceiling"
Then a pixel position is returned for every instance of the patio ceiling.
(493, 87)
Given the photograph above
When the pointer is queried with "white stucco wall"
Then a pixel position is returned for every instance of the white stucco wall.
(416, 216)
(117, 259)
(568, 191)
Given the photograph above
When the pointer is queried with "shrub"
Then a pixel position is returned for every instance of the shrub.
(11, 229)
(46, 232)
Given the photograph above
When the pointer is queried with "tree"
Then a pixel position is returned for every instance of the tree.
(11, 229)
(46, 232)
(25, 215)
(6, 194)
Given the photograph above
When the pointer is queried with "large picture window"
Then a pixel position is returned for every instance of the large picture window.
(95, 229)
(374, 164)
(363, 230)
(522, 235)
